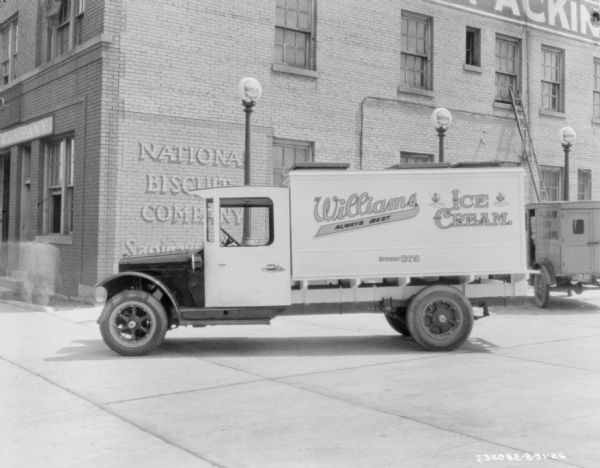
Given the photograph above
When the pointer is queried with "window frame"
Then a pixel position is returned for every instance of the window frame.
(554, 170)
(247, 206)
(559, 83)
(596, 90)
(500, 72)
(426, 55)
(65, 32)
(10, 27)
(310, 36)
(58, 170)
(473, 51)
(584, 184)
(295, 145)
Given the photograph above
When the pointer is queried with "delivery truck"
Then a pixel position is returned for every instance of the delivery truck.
(563, 247)
(420, 245)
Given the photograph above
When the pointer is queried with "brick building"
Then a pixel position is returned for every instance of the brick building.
(113, 111)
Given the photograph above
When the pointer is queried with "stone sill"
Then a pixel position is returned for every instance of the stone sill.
(55, 239)
(551, 113)
(402, 89)
(472, 68)
(283, 68)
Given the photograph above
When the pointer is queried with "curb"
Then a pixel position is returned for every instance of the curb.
(29, 306)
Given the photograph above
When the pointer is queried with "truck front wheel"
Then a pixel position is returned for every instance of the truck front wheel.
(133, 323)
(440, 318)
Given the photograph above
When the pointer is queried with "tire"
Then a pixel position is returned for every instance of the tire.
(397, 321)
(440, 318)
(133, 323)
(541, 291)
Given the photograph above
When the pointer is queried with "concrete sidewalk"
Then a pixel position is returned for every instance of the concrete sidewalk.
(329, 391)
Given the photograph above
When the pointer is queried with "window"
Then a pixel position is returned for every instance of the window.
(584, 184)
(294, 33)
(415, 158)
(26, 163)
(59, 156)
(65, 27)
(416, 51)
(286, 153)
(578, 226)
(508, 59)
(9, 34)
(552, 177)
(473, 47)
(597, 88)
(256, 227)
(552, 77)
(78, 22)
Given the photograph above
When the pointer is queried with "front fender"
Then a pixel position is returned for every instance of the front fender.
(116, 283)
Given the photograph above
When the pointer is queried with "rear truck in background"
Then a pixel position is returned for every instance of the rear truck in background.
(422, 246)
(563, 247)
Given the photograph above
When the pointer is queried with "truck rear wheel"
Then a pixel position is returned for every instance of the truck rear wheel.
(133, 323)
(541, 290)
(440, 318)
(397, 320)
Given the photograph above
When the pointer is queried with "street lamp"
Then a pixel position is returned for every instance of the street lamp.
(567, 138)
(249, 91)
(441, 119)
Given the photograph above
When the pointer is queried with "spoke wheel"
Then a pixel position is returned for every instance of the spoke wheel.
(541, 291)
(397, 320)
(440, 318)
(133, 323)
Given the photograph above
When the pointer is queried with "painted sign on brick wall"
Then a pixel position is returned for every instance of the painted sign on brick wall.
(169, 174)
(572, 17)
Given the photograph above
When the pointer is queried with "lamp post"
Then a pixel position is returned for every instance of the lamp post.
(441, 119)
(249, 91)
(567, 138)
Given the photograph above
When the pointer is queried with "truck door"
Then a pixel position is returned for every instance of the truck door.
(247, 252)
(578, 242)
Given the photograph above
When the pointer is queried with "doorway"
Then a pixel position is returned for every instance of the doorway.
(4, 213)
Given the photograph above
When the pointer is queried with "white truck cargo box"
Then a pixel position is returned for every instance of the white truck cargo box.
(408, 222)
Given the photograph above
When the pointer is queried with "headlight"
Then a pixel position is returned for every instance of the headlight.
(100, 295)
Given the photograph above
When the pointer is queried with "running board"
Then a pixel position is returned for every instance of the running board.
(208, 315)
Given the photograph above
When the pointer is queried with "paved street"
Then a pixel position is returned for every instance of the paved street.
(334, 391)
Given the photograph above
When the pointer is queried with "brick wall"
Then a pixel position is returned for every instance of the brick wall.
(159, 86)
(69, 88)
(180, 63)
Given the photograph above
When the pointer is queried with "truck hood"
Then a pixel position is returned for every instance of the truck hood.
(162, 258)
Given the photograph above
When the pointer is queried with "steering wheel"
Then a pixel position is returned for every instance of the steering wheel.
(229, 239)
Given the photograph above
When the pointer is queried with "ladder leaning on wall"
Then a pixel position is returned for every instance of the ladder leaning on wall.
(528, 152)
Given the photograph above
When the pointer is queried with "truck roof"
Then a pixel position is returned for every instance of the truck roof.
(566, 205)
(237, 191)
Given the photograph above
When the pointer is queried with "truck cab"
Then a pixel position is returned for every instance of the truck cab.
(247, 247)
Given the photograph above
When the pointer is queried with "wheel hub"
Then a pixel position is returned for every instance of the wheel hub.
(132, 324)
(440, 318)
